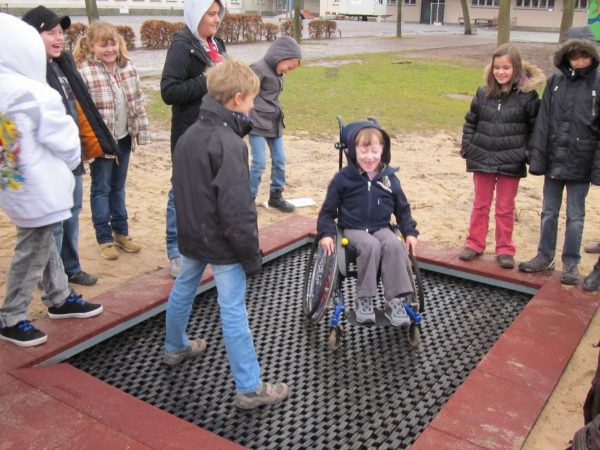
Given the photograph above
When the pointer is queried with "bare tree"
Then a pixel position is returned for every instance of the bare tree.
(503, 22)
(567, 19)
(466, 17)
(91, 10)
(399, 18)
(297, 21)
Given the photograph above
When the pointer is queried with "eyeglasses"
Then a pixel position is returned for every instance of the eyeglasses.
(377, 148)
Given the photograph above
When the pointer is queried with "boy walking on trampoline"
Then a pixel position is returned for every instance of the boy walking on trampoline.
(362, 197)
(216, 225)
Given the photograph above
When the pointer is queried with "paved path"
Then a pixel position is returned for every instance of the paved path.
(357, 37)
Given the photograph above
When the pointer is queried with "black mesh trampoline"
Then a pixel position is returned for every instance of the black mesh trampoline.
(375, 392)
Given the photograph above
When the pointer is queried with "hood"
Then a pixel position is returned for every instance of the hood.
(282, 48)
(348, 139)
(193, 10)
(561, 61)
(26, 54)
(532, 79)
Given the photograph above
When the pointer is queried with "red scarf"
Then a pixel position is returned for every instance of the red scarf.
(213, 52)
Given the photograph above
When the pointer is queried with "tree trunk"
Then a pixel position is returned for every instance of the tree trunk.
(466, 17)
(91, 10)
(503, 22)
(567, 19)
(297, 21)
(399, 18)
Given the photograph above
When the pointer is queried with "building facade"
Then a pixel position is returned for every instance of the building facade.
(534, 14)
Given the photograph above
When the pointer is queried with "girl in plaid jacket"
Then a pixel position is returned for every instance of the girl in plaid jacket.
(114, 85)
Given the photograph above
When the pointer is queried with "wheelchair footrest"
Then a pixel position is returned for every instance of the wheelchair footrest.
(380, 319)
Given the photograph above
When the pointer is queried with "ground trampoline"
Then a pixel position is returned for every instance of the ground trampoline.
(374, 392)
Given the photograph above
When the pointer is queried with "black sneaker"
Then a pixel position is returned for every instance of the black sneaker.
(74, 307)
(23, 334)
(83, 278)
(537, 264)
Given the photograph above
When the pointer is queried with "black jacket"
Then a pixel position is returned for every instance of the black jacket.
(362, 204)
(183, 84)
(497, 129)
(567, 131)
(67, 64)
(216, 215)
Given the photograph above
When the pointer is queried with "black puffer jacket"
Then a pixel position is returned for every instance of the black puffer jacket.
(497, 129)
(216, 216)
(567, 131)
(183, 84)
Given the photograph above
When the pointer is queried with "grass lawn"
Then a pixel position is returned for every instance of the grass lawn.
(404, 94)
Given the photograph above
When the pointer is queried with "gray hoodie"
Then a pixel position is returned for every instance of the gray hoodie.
(267, 116)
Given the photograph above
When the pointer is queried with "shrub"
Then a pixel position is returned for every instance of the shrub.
(270, 31)
(322, 29)
(158, 33)
(128, 35)
(240, 28)
(73, 33)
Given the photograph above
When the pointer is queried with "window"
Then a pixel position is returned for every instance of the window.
(410, 2)
(581, 4)
(485, 2)
(539, 4)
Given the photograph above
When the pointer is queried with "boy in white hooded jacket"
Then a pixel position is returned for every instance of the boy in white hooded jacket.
(39, 146)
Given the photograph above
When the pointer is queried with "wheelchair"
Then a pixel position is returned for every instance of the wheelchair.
(324, 275)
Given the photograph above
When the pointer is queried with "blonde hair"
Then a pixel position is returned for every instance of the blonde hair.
(229, 77)
(100, 31)
(368, 136)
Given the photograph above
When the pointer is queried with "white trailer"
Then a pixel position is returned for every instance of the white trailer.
(362, 9)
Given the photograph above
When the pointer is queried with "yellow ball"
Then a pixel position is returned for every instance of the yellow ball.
(344, 241)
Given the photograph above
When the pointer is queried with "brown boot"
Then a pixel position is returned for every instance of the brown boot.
(126, 243)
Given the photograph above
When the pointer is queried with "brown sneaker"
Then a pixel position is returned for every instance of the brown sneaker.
(267, 394)
(592, 248)
(126, 243)
(468, 254)
(195, 348)
(506, 261)
(108, 250)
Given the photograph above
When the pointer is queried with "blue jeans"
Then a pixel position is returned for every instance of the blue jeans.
(107, 194)
(171, 231)
(231, 287)
(576, 194)
(66, 234)
(258, 145)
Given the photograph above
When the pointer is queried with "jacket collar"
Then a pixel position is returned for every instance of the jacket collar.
(239, 123)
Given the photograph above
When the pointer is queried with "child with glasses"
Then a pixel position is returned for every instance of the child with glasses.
(362, 197)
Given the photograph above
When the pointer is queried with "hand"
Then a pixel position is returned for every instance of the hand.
(328, 245)
(411, 245)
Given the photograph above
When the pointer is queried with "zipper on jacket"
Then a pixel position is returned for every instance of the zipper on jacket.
(499, 103)
(369, 201)
(594, 103)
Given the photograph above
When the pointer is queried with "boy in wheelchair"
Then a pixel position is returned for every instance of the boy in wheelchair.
(362, 197)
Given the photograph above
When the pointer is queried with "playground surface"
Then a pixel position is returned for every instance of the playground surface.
(37, 396)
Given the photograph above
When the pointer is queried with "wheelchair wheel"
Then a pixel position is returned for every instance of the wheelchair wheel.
(414, 335)
(419, 283)
(335, 337)
(320, 282)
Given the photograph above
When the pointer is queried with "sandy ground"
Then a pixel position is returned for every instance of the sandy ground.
(435, 181)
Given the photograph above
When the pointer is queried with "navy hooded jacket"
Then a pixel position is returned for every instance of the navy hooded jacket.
(362, 204)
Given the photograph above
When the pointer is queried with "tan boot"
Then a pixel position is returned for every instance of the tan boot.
(126, 243)
(108, 250)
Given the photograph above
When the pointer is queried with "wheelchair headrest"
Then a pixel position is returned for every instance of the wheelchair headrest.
(348, 139)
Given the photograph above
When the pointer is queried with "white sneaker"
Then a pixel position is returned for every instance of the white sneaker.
(364, 310)
(175, 267)
(395, 312)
